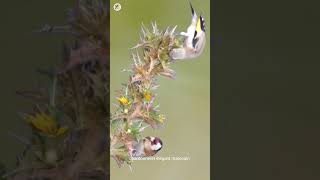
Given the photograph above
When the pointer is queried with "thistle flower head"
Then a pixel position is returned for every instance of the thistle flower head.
(147, 96)
(150, 60)
(124, 101)
(46, 124)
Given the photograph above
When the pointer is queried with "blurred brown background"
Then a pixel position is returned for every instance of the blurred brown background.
(21, 52)
(266, 121)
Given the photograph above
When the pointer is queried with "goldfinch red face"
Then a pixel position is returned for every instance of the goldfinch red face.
(152, 145)
(148, 146)
(154, 142)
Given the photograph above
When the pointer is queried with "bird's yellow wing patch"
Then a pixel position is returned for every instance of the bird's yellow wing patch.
(198, 28)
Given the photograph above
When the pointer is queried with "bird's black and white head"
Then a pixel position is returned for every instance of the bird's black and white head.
(199, 34)
(151, 145)
(156, 143)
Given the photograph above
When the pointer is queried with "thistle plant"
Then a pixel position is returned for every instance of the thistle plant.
(68, 139)
(137, 108)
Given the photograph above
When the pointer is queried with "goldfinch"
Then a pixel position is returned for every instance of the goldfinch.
(194, 41)
(146, 147)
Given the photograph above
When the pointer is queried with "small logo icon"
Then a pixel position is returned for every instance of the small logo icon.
(117, 6)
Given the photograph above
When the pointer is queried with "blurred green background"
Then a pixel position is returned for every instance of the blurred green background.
(185, 101)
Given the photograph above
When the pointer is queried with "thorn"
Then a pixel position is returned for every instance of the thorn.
(136, 46)
(155, 24)
(166, 31)
(134, 59)
(140, 124)
(154, 27)
(144, 33)
(126, 70)
(173, 29)
(139, 58)
(155, 87)
(145, 29)
(130, 167)
(126, 90)
(141, 129)
(156, 107)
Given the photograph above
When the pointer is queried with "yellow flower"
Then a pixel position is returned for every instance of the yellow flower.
(147, 96)
(124, 101)
(161, 118)
(129, 131)
(46, 124)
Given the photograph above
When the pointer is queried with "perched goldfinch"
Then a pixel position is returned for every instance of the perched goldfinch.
(148, 146)
(194, 40)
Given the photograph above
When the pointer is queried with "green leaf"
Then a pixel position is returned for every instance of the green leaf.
(115, 124)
